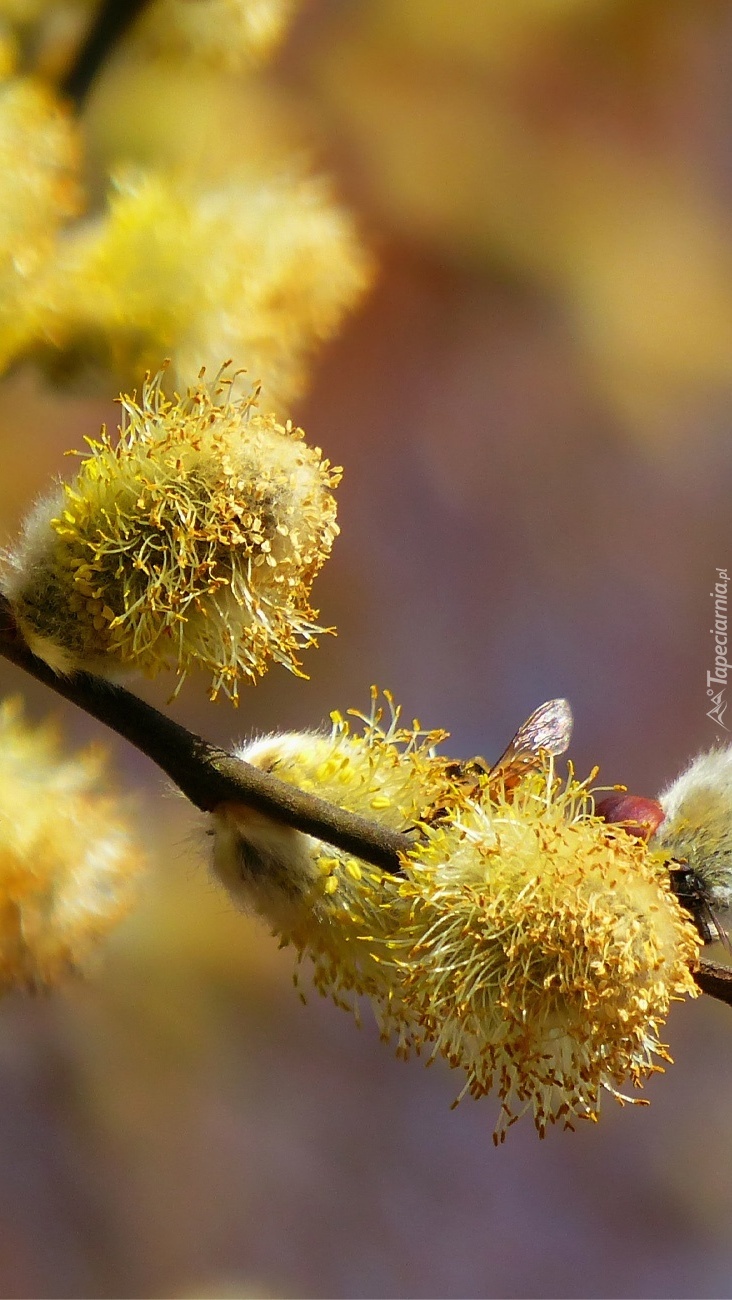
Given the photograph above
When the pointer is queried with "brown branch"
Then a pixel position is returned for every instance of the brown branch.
(206, 775)
(108, 26)
(715, 980)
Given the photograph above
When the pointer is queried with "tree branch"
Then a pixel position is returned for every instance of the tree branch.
(209, 776)
(715, 980)
(107, 28)
(206, 775)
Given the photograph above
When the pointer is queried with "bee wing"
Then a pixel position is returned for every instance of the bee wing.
(548, 730)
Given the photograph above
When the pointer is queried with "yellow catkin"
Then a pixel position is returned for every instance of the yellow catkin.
(69, 864)
(542, 950)
(191, 541)
(531, 944)
(346, 926)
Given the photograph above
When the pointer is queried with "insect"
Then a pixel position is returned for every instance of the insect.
(547, 731)
(698, 899)
(691, 825)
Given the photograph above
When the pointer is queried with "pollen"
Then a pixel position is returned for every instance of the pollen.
(190, 541)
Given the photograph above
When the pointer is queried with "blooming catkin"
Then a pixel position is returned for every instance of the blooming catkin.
(341, 912)
(69, 866)
(564, 945)
(191, 541)
(528, 942)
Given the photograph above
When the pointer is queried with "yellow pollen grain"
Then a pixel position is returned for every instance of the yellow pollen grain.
(327, 865)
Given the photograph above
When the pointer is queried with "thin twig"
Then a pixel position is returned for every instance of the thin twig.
(207, 776)
(107, 28)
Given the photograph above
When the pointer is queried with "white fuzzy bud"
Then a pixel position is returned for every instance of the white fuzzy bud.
(698, 824)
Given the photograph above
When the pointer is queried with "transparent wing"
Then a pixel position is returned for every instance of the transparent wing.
(548, 731)
(549, 728)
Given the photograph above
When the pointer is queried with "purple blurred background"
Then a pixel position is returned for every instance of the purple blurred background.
(519, 522)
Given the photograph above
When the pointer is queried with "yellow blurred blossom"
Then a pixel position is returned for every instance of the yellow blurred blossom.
(191, 120)
(8, 53)
(230, 34)
(24, 13)
(49, 31)
(192, 540)
(260, 270)
(39, 160)
(69, 865)
(528, 942)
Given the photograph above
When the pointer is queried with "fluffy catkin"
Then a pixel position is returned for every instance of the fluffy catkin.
(190, 541)
(697, 826)
(532, 945)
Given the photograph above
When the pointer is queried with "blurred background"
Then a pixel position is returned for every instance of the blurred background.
(533, 408)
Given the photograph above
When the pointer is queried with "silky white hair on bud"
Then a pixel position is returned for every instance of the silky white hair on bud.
(264, 864)
(697, 828)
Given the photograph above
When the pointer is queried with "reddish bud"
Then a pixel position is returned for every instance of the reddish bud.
(637, 815)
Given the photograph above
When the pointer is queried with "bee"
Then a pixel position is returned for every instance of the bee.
(547, 731)
(691, 825)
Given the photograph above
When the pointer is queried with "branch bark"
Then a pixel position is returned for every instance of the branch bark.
(108, 26)
(205, 774)
(715, 980)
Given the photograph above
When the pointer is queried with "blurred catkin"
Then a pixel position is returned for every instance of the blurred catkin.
(261, 269)
(69, 863)
(554, 130)
(40, 156)
(229, 34)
